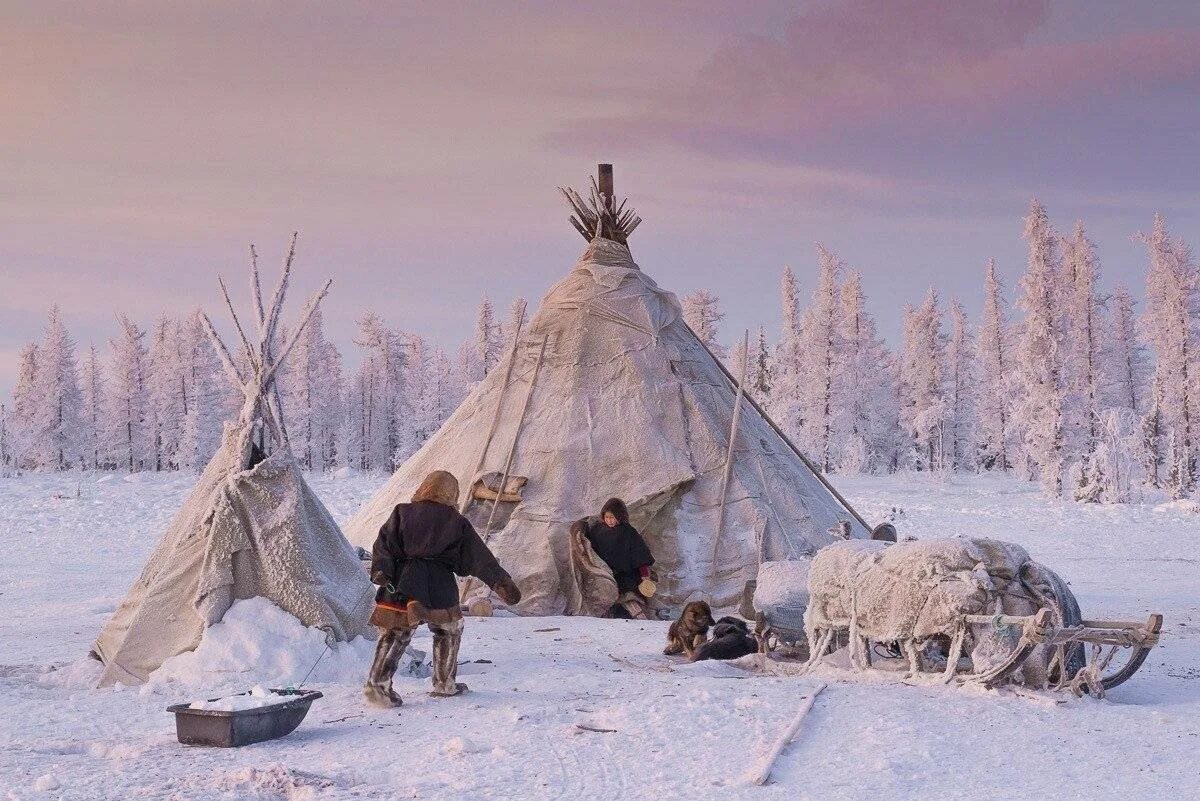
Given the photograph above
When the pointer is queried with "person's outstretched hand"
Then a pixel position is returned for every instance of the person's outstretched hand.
(508, 591)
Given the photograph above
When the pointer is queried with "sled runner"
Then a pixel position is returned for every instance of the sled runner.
(1102, 640)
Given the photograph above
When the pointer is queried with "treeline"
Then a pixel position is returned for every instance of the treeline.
(157, 400)
(1065, 385)
(1069, 387)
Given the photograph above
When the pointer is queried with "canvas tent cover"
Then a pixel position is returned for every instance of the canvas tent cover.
(626, 402)
(241, 534)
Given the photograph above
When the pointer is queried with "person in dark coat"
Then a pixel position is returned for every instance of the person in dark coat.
(416, 556)
(622, 548)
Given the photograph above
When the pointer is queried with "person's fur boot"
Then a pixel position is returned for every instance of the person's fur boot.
(691, 629)
(382, 697)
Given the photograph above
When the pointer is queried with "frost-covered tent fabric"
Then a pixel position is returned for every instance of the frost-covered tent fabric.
(626, 402)
(251, 527)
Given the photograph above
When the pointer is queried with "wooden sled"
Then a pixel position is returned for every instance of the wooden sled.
(1102, 640)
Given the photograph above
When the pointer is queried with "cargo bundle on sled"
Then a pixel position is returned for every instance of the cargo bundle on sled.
(976, 610)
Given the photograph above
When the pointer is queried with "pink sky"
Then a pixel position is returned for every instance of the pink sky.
(417, 151)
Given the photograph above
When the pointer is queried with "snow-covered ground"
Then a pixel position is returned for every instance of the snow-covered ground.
(525, 731)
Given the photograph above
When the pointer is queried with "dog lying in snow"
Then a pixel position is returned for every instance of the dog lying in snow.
(730, 640)
(690, 631)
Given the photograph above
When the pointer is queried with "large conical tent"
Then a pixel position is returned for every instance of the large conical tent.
(609, 393)
(252, 527)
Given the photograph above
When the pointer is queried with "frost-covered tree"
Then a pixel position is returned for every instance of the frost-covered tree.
(994, 359)
(960, 392)
(702, 312)
(1153, 436)
(56, 418)
(376, 403)
(312, 400)
(739, 360)
(1038, 360)
(128, 439)
(760, 380)
(821, 363)
(417, 427)
(166, 393)
(922, 400)
(438, 399)
(1171, 321)
(205, 405)
(788, 369)
(92, 411)
(864, 402)
(6, 458)
(24, 405)
(487, 338)
(1111, 475)
(465, 367)
(1083, 361)
(1128, 364)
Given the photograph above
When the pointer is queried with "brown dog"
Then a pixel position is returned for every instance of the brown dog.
(690, 631)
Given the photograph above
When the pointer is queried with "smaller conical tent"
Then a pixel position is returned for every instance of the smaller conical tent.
(251, 527)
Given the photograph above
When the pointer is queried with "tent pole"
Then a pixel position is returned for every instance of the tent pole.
(733, 429)
(786, 439)
(487, 444)
(487, 531)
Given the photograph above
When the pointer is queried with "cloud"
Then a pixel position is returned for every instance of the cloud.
(880, 69)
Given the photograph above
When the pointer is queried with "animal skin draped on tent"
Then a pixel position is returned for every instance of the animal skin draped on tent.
(247, 530)
(625, 402)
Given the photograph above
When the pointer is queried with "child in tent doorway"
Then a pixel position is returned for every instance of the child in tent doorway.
(415, 558)
(622, 548)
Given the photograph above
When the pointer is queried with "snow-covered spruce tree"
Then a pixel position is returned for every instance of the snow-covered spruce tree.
(359, 419)
(378, 393)
(994, 395)
(922, 401)
(1127, 363)
(167, 394)
(92, 412)
(487, 338)
(1152, 436)
(56, 419)
(128, 439)
(960, 393)
(1083, 361)
(312, 396)
(466, 366)
(785, 391)
(702, 312)
(739, 360)
(1171, 322)
(415, 428)
(6, 461)
(438, 401)
(1112, 472)
(760, 379)
(863, 389)
(1038, 360)
(821, 364)
(206, 388)
(24, 406)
